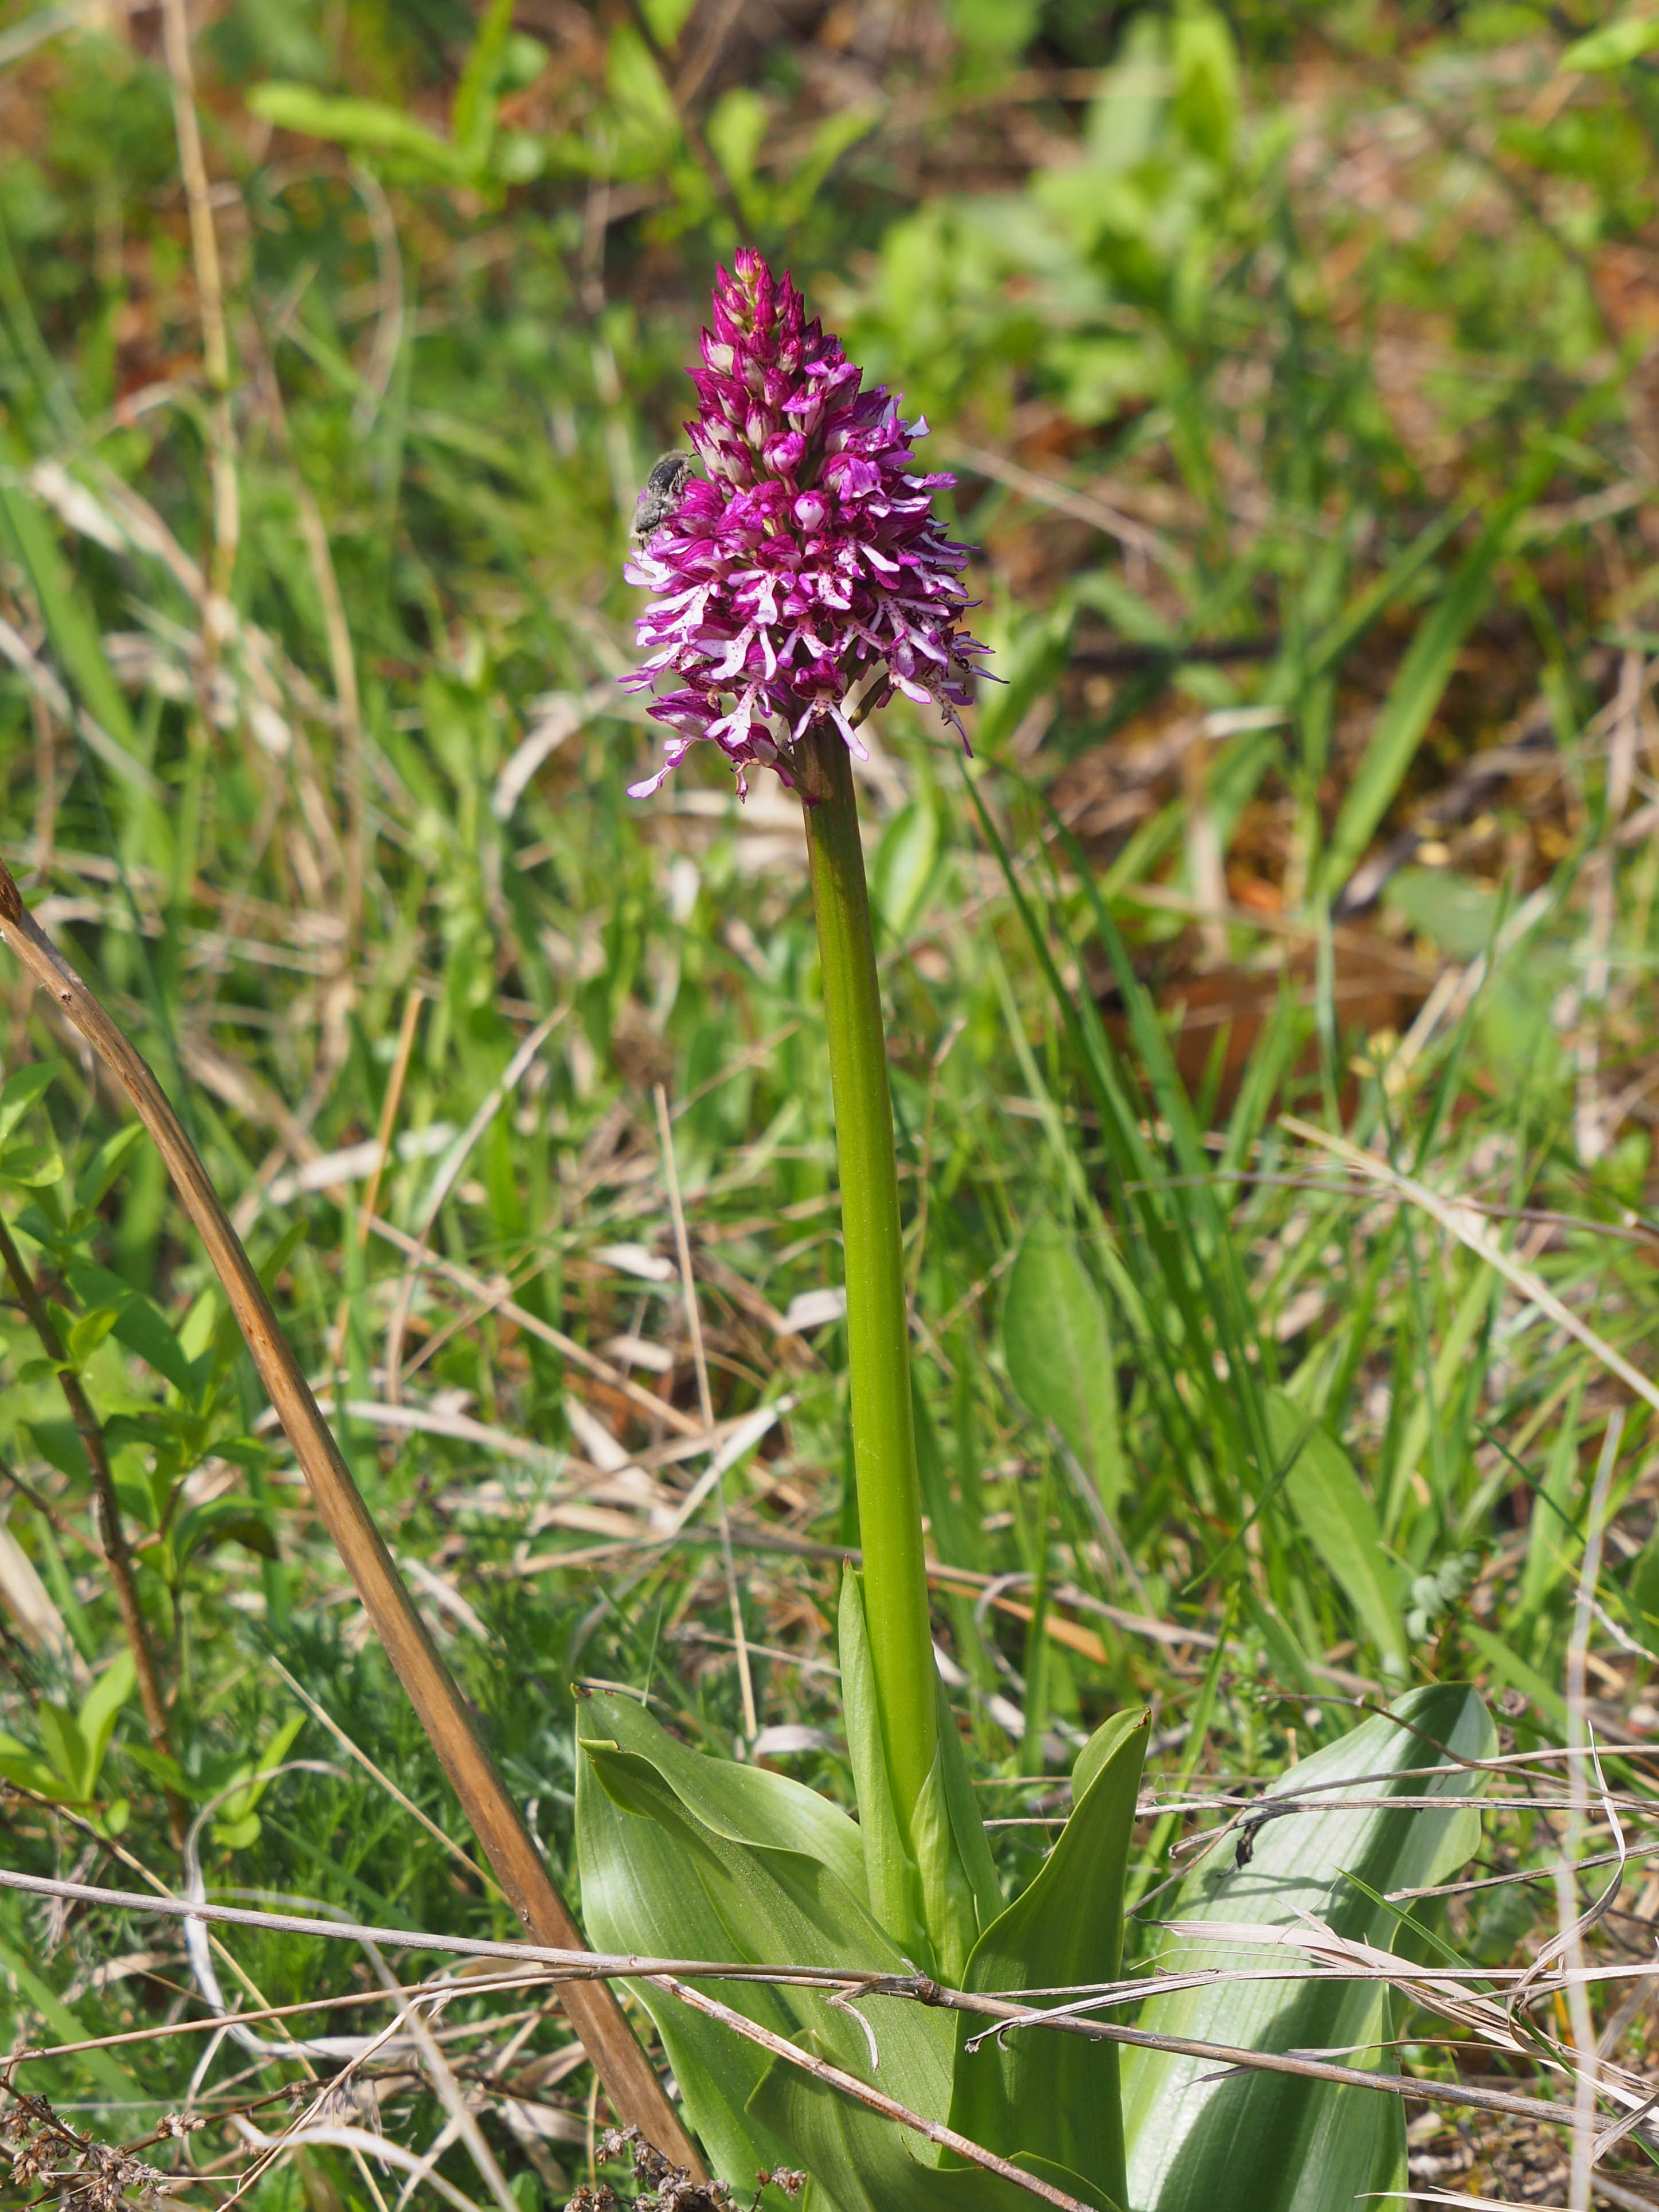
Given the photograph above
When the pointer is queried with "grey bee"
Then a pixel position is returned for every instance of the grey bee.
(664, 488)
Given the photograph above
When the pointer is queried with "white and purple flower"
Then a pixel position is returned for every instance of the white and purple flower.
(806, 559)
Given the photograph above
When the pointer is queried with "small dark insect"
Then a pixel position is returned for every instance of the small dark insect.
(1249, 1826)
(664, 488)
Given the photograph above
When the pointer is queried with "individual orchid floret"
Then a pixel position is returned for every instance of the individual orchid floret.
(805, 563)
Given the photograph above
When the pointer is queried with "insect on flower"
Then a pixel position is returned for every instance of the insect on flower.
(664, 488)
(806, 561)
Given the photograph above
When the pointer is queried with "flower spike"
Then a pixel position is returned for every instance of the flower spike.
(805, 561)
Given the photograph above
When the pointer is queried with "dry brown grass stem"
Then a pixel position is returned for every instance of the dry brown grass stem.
(629, 2080)
(1353, 1962)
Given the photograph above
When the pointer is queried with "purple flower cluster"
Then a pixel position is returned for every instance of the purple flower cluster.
(806, 559)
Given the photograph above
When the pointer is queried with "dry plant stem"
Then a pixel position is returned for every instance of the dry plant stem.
(445, 1180)
(654, 1408)
(1573, 1923)
(112, 1534)
(629, 2081)
(566, 1965)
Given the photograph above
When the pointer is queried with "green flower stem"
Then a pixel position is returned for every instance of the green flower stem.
(877, 1323)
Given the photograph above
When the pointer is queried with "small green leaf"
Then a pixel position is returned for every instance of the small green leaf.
(1339, 1521)
(69, 2027)
(66, 1748)
(58, 1444)
(106, 1164)
(1059, 1347)
(21, 1091)
(368, 125)
(136, 1322)
(19, 1764)
(32, 1167)
(220, 1520)
(87, 1332)
(1626, 38)
(98, 1708)
(472, 116)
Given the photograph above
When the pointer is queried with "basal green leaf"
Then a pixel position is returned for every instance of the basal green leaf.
(693, 1856)
(1339, 1520)
(879, 2167)
(1054, 2095)
(1262, 2142)
(1058, 1348)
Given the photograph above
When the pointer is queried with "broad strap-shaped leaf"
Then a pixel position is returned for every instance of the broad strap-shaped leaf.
(1339, 1520)
(933, 1899)
(692, 1857)
(1036, 2091)
(878, 2167)
(1237, 2142)
(1059, 1347)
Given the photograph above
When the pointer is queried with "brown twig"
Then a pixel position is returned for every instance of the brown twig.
(578, 1966)
(112, 1535)
(629, 2080)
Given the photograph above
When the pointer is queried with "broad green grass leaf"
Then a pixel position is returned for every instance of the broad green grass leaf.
(371, 126)
(906, 861)
(73, 635)
(69, 2027)
(1509, 1666)
(1262, 2142)
(1059, 1347)
(472, 116)
(1339, 1520)
(1058, 2095)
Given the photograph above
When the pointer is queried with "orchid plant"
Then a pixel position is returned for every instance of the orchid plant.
(799, 583)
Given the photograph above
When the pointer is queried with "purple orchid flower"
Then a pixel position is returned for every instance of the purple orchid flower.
(806, 559)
